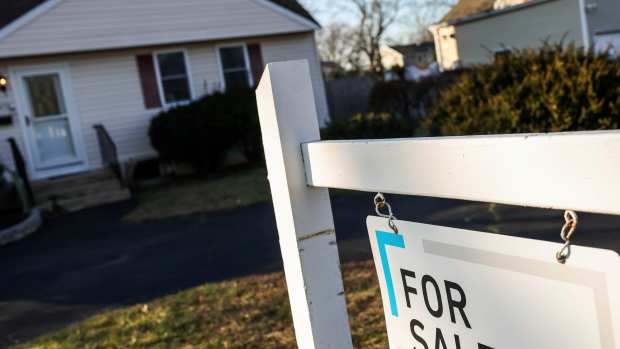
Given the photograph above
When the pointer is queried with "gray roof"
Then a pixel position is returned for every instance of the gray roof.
(466, 8)
(11, 10)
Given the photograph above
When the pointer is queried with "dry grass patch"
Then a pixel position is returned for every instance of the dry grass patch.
(234, 189)
(251, 312)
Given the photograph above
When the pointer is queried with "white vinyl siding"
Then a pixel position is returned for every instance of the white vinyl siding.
(294, 47)
(107, 89)
(83, 25)
(529, 27)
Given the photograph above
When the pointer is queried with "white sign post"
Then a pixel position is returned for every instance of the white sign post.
(305, 223)
(517, 295)
(451, 288)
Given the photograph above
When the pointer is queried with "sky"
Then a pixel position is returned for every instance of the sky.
(402, 32)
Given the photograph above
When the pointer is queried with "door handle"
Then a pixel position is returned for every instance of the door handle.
(27, 120)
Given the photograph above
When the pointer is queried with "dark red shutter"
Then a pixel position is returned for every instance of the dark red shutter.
(148, 81)
(256, 62)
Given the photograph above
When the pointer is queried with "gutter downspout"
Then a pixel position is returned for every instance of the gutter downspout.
(434, 29)
(585, 28)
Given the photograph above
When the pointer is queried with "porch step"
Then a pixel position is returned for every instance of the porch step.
(76, 192)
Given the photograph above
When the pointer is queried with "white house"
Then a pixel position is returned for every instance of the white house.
(474, 31)
(69, 65)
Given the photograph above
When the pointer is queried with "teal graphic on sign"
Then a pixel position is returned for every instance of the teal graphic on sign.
(385, 239)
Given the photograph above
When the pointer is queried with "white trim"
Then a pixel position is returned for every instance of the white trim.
(585, 31)
(289, 14)
(73, 117)
(246, 56)
(514, 169)
(188, 72)
(288, 118)
(28, 17)
(434, 29)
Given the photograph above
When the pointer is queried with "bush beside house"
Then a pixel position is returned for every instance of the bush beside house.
(549, 90)
(203, 132)
(368, 126)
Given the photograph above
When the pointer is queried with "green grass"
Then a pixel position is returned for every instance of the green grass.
(232, 189)
(251, 312)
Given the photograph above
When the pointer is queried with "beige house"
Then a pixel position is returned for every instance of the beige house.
(474, 31)
(71, 65)
(420, 55)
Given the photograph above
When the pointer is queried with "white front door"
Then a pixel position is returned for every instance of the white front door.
(48, 117)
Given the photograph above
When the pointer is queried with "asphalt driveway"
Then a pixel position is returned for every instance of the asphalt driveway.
(82, 263)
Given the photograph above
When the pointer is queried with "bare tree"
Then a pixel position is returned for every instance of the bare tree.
(374, 17)
(355, 45)
(336, 43)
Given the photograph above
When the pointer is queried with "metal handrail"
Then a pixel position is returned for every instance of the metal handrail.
(22, 172)
(109, 152)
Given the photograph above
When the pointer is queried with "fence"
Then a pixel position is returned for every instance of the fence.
(577, 171)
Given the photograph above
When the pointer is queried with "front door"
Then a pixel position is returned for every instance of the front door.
(46, 109)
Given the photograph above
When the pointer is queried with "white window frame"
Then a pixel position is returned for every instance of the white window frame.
(160, 84)
(246, 56)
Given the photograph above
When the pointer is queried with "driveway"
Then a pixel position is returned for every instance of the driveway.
(82, 263)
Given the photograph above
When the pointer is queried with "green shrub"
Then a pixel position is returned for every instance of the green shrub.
(368, 126)
(202, 132)
(548, 90)
(410, 98)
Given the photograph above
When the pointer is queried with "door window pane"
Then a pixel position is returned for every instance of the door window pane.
(174, 77)
(45, 95)
(54, 141)
(235, 67)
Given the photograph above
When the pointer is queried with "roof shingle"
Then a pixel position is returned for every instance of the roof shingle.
(11, 10)
(465, 8)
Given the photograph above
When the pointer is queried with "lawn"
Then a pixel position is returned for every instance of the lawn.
(234, 188)
(251, 312)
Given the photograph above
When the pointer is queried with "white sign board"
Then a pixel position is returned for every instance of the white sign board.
(451, 288)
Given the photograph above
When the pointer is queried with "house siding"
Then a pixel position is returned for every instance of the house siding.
(283, 49)
(529, 27)
(605, 17)
(82, 25)
(106, 89)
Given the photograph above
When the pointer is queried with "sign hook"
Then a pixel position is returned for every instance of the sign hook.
(570, 225)
(381, 203)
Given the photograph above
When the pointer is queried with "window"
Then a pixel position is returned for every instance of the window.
(235, 67)
(173, 77)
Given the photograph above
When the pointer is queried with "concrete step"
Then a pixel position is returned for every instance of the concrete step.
(71, 191)
(77, 192)
(94, 200)
(74, 180)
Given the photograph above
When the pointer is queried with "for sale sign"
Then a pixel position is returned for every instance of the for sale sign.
(445, 288)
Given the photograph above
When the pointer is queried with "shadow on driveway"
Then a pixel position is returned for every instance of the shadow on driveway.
(82, 263)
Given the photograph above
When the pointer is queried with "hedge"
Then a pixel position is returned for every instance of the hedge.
(556, 88)
(202, 132)
(368, 126)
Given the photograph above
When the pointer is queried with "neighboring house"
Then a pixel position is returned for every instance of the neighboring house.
(73, 64)
(416, 60)
(420, 55)
(331, 69)
(474, 31)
